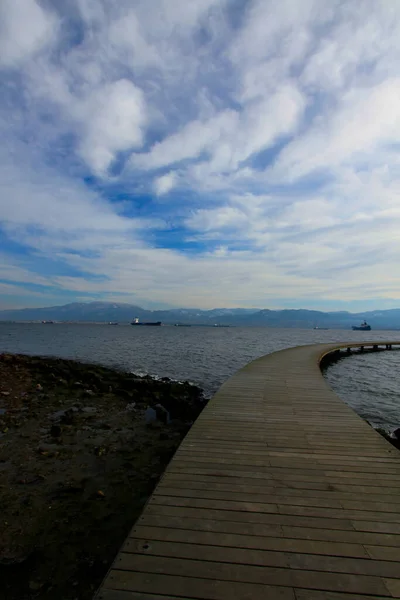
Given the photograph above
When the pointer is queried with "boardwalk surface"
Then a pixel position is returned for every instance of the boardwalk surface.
(279, 491)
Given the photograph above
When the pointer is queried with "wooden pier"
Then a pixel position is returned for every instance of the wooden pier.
(279, 492)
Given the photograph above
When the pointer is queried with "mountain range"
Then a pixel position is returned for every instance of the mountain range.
(124, 313)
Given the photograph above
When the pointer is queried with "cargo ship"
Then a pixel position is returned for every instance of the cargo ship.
(137, 322)
(363, 327)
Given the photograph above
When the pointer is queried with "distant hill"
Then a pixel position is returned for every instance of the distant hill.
(124, 313)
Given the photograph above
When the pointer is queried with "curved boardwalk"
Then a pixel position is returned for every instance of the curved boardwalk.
(279, 491)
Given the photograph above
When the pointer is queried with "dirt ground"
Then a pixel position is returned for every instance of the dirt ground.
(78, 460)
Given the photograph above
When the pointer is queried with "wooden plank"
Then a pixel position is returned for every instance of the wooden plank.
(284, 472)
(393, 586)
(251, 517)
(277, 450)
(384, 553)
(270, 530)
(280, 498)
(194, 587)
(105, 594)
(323, 595)
(293, 559)
(378, 527)
(279, 491)
(360, 584)
(306, 511)
(337, 480)
(319, 457)
(265, 489)
(279, 544)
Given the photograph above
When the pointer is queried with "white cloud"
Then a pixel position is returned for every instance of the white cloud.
(276, 125)
(229, 138)
(165, 183)
(11, 270)
(25, 28)
(365, 121)
(195, 138)
(115, 116)
(49, 202)
(216, 219)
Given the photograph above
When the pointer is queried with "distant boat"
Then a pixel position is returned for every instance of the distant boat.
(138, 323)
(111, 323)
(48, 322)
(321, 328)
(182, 325)
(363, 327)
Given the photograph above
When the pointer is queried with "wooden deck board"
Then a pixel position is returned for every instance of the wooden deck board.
(279, 491)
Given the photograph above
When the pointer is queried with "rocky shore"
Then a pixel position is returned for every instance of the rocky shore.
(81, 449)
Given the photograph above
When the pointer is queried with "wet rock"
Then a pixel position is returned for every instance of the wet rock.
(180, 425)
(39, 387)
(130, 407)
(155, 425)
(396, 433)
(47, 448)
(5, 393)
(69, 488)
(66, 416)
(89, 409)
(89, 393)
(104, 426)
(123, 393)
(69, 418)
(162, 414)
(55, 431)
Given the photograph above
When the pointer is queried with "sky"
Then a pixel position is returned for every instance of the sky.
(200, 154)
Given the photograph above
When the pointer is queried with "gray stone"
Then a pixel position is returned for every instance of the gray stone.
(150, 415)
(162, 413)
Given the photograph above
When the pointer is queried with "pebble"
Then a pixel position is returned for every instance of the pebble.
(35, 586)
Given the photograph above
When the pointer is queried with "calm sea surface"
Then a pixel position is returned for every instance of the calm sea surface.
(207, 356)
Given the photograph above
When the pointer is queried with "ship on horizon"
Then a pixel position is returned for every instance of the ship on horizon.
(139, 323)
(363, 327)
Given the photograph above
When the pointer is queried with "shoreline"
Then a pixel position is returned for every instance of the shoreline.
(82, 447)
